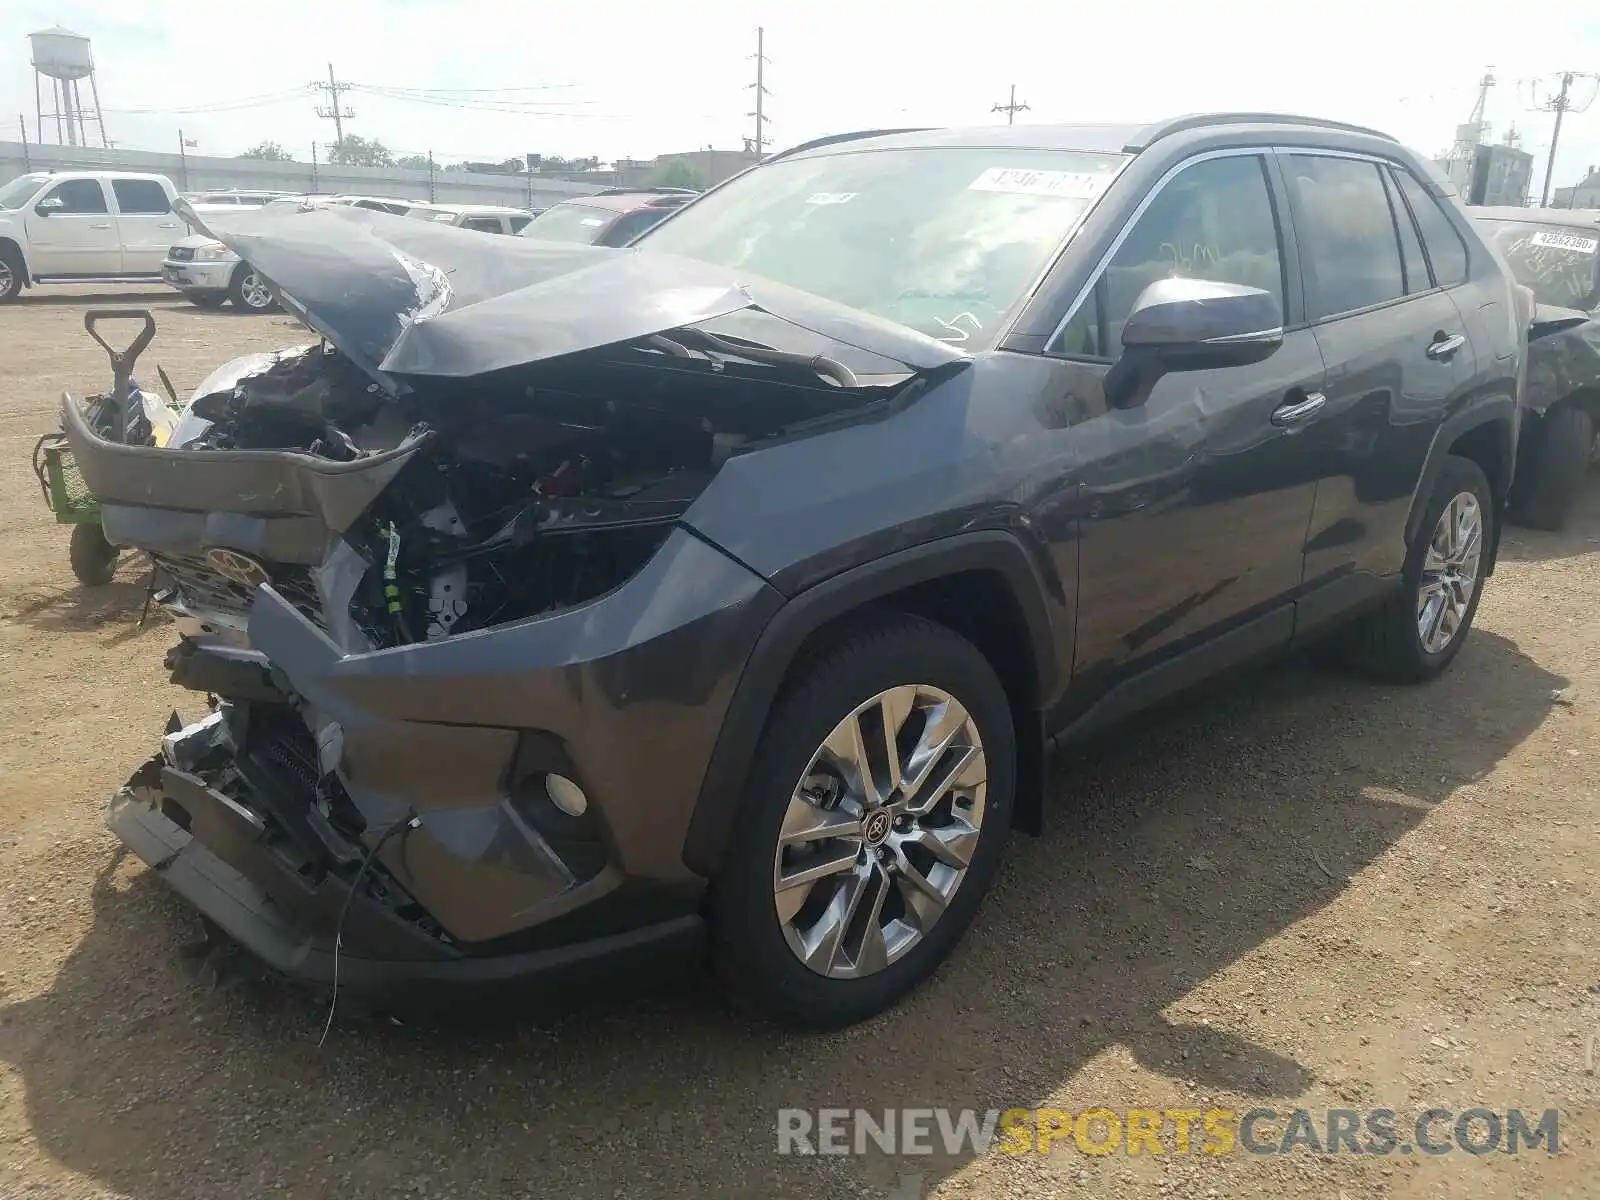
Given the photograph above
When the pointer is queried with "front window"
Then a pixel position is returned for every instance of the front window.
(17, 193)
(945, 240)
(1557, 261)
(569, 222)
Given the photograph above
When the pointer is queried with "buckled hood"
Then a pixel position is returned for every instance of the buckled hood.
(407, 298)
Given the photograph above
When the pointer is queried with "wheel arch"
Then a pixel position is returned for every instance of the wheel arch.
(11, 244)
(983, 586)
(1487, 436)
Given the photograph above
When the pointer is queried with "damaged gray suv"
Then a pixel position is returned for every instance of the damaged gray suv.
(567, 609)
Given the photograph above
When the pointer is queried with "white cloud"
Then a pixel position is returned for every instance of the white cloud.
(650, 78)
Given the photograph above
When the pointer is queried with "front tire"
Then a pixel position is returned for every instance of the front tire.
(845, 887)
(249, 290)
(1419, 632)
(1554, 459)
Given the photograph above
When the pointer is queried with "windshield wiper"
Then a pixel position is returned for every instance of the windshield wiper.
(828, 368)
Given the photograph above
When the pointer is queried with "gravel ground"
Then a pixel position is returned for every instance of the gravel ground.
(1294, 890)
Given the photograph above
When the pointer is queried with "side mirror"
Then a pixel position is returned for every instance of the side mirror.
(1191, 325)
(49, 205)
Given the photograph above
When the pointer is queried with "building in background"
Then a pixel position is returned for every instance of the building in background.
(1485, 174)
(1584, 194)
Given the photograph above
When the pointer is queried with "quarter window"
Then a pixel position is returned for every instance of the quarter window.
(1349, 247)
(1446, 249)
(78, 196)
(1213, 220)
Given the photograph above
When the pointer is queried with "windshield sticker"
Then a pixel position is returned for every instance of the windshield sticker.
(592, 221)
(1065, 185)
(1577, 243)
(831, 197)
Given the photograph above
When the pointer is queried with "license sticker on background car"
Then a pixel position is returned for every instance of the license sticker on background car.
(1574, 242)
(1068, 185)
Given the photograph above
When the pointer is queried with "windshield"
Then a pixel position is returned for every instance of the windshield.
(945, 240)
(16, 193)
(568, 222)
(1557, 261)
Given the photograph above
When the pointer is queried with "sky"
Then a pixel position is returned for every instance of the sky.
(620, 78)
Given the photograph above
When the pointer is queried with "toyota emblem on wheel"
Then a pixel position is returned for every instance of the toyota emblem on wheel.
(236, 568)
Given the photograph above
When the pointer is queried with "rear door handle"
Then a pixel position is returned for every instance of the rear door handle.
(1441, 349)
(1292, 412)
(167, 225)
(107, 225)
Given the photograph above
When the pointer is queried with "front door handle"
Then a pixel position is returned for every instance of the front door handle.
(1292, 412)
(1442, 348)
(167, 225)
(107, 225)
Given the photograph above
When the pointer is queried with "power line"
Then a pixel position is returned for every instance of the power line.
(762, 120)
(1012, 108)
(1561, 104)
(333, 87)
(261, 101)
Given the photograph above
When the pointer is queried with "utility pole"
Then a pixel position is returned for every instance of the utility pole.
(430, 177)
(1011, 108)
(333, 109)
(22, 125)
(760, 140)
(183, 157)
(1561, 104)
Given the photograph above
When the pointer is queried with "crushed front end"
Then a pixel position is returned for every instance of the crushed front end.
(465, 656)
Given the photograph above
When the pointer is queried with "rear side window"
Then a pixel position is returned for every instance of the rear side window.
(482, 224)
(1349, 247)
(78, 196)
(140, 196)
(1213, 220)
(1447, 252)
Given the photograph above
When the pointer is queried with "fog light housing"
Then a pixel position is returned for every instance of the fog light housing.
(566, 795)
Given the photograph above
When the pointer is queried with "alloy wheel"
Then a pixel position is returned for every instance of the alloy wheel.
(880, 831)
(255, 292)
(8, 279)
(1450, 572)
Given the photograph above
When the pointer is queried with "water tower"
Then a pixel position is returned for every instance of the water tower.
(63, 58)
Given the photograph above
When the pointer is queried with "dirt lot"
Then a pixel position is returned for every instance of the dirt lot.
(1296, 891)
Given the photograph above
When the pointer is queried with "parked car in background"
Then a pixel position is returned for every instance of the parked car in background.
(485, 218)
(730, 589)
(235, 198)
(378, 203)
(613, 217)
(84, 227)
(1556, 253)
(300, 203)
(210, 275)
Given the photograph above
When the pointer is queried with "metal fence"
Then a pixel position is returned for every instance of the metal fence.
(194, 173)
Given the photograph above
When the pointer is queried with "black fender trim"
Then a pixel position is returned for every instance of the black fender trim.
(722, 789)
(1499, 410)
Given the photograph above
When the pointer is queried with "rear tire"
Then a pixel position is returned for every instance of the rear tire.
(934, 688)
(1551, 467)
(1390, 643)
(12, 272)
(94, 560)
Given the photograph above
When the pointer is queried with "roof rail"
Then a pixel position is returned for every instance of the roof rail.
(833, 138)
(1153, 133)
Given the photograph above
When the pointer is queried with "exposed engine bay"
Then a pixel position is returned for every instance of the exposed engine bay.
(525, 498)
